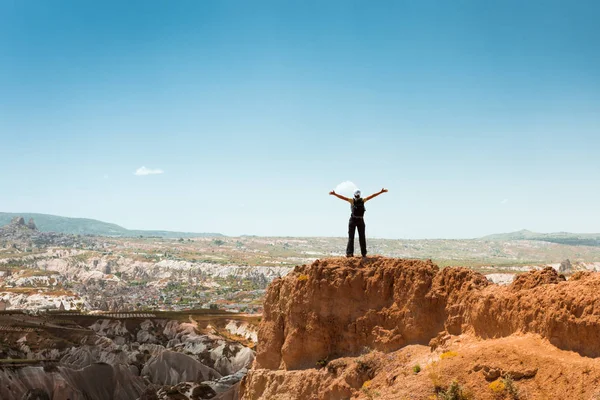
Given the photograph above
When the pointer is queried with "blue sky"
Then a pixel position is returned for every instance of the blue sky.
(480, 117)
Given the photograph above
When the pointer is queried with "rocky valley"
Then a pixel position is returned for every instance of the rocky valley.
(68, 355)
(100, 317)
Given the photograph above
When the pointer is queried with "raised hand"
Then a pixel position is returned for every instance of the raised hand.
(332, 193)
(384, 190)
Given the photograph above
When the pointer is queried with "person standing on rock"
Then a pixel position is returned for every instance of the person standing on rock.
(357, 205)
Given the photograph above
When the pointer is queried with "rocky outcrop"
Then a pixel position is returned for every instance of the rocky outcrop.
(243, 329)
(17, 221)
(331, 312)
(171, 368)
(225, 357)
(565, 267)
(337, 307)
(31, 224)
(532, 279)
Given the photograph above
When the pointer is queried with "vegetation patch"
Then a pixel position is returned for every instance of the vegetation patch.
(322, 363)
(448, 354)
(368, 391)
(454, 392)
(505, 386)
(497, 386)
(435, 378)
(362, 365)
(511, 388)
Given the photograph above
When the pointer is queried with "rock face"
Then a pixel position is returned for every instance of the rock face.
(337, 307)
(340, 307)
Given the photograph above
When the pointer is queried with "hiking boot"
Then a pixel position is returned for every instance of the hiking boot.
(349, 255)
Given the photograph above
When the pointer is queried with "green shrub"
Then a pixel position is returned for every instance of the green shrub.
(510, 387)
(363, 366)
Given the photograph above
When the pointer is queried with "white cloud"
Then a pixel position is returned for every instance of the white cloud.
(504, 201)
(142, 171)
(346, 188)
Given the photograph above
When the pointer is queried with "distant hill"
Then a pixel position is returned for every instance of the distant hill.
(576, 239)
(85, 226)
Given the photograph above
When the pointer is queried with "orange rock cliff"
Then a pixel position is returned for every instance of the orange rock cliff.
(391, 328)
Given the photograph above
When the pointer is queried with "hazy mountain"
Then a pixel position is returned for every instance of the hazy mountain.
(582, 239)
(85, 226)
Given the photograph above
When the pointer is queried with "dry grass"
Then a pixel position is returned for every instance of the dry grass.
(435, 377)
(455, 392)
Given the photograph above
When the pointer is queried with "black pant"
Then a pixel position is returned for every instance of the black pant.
(352, 225)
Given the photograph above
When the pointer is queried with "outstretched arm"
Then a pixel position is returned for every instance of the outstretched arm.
(376, 194)
(339, 196)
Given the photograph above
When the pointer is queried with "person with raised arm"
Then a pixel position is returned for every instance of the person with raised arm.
(357, 206)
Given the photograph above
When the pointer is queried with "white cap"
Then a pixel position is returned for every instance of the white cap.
(357, 193)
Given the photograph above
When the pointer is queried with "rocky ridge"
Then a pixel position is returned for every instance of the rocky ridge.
(349, 309)
(20, 235)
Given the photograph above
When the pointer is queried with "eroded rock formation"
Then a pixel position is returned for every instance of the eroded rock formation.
(96, 381)
(122, 359)
(339, 308)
